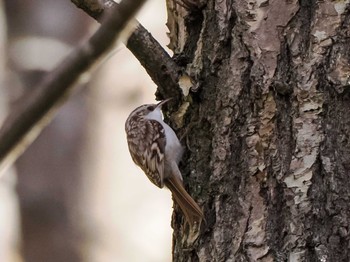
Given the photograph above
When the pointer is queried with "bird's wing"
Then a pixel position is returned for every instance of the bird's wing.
(146, 143)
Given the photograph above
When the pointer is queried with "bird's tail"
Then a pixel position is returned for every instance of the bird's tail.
(193, 213)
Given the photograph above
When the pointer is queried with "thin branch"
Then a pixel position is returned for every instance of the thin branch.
(152, 56)
(23, 125)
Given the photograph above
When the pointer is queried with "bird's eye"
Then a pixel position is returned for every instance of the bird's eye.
(150, 108)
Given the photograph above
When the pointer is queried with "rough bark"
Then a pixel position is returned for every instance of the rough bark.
(266, 131)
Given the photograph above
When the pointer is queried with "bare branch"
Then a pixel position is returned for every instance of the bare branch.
(25, 122)
(152, 56)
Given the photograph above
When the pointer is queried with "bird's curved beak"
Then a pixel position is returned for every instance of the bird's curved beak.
(161, 103)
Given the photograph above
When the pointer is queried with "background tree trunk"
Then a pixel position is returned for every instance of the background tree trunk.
(9, 223)
(267, 129)
(50, 173)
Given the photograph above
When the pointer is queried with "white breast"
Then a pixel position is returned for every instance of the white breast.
(173, 148)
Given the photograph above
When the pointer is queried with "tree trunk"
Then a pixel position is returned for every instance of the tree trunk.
(266, 129)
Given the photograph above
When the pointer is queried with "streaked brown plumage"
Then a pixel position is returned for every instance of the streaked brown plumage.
(155, 148)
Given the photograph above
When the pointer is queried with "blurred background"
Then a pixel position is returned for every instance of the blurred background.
(75, 194)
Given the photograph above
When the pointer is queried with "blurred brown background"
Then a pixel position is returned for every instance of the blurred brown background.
(75, 194)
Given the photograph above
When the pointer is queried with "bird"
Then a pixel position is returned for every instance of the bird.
(155, 148)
